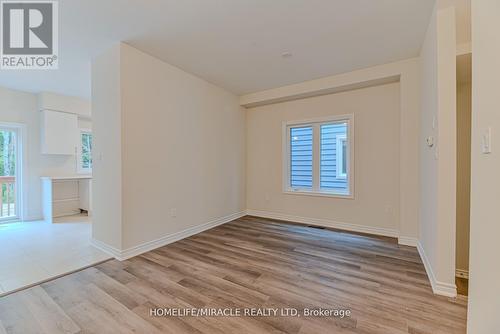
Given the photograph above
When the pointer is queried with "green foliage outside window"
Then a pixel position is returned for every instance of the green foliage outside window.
(86, 150)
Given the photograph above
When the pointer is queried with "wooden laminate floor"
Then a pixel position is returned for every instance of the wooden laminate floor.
(248, 263)
(462, 286)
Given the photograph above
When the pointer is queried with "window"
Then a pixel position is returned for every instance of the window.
(301, 157)
(342, 156)
(318, 156)
(85, 154)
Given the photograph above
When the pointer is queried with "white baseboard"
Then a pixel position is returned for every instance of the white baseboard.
(326, 223)
(438, 288)
(408, 241)
(114, 252)
(462, 273)
(165, 240)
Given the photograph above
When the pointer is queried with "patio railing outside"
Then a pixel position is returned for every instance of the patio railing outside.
(7, 196)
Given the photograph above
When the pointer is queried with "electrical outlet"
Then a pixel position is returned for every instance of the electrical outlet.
(389, 209)
(173, 213)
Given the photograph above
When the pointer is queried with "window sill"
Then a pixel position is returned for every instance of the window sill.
(317, 194)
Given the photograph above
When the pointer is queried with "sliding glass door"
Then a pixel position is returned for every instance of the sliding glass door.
(9, 151)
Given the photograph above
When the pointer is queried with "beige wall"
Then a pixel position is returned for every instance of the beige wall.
(428, 161)
(484, 285)
(464, 109)
(377, 119)
(178, 142)
(438, 163)
(183, 148)
(447, 145)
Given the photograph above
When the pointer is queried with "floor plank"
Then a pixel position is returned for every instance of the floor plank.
(248, 263)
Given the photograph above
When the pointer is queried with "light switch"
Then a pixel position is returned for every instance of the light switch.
(430, 141)
(486, 142)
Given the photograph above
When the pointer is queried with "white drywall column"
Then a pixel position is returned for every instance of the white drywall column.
(409, 151)
(484, 285)
(438, 162)
(107, 162)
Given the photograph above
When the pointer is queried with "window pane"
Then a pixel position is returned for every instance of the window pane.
(301, 157)
(333, 158)
(86, 150)
(344, 156)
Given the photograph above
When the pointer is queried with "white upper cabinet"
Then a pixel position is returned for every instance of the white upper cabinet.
(59, 132)
(59, 122)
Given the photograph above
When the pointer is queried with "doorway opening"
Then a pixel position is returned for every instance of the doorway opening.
(464, 121)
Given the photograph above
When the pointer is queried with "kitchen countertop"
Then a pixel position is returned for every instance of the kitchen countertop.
(68, 177)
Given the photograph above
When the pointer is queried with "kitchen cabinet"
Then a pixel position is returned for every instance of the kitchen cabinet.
(59, 132)
(66, 195)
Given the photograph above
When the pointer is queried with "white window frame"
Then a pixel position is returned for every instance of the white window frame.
(316, 123)
(340, 156)
(21, 137)
(80, 169)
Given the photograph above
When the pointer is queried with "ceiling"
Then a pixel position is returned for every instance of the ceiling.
(236, 44)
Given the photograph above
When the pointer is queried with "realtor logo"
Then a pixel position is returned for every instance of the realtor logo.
(29, 35)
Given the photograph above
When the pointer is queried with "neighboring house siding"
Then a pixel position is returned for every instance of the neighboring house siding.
(301, 157)
(329, 164)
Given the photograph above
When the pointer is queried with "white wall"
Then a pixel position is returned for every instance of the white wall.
(438, 163)
(484, 284)
(376, 159)
(107, 149)
(21, 107)
(182, 148)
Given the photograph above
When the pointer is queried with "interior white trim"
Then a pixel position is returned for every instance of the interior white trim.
(128, 253)
(326, 223)
(438, 288)
(408, 241)
(114, 252)
(462, 273)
